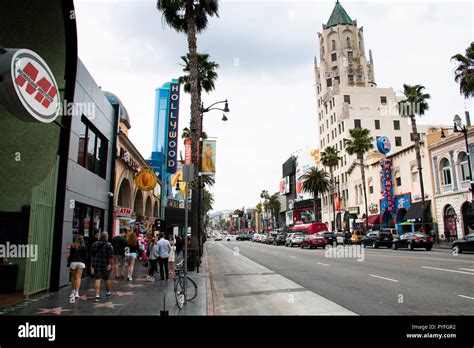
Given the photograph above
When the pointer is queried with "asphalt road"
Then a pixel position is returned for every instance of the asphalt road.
(377, 282)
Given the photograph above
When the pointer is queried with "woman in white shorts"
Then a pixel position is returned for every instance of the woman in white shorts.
(76, 263)
(131, 252)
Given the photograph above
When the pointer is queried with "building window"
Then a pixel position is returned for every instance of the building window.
(464, 164)
(396, 124)
(342, 126)
(328, 138)
(445, 172)
(337, 79)
(350, 77)
(347, 99)
(327, 123)
(92, 153)
(350, 54)
(328, 84)
(357, 124)
(398, 179)
(414, 174)
(371, 189)
(359, 78)
(333, 44)
(383, 100)
(377, 124)
(87, 220)
(339, 129)
(398, 141)
(333, 57)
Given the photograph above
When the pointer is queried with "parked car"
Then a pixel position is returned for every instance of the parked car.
(465, 244)
(393, 231)
(255, 237)
(313, 241)
(413, 240)
(294, 239)
(279, 239)
(378, 238)
(242, 237)
(263, 238)
(270, 238)
(329, 236)
(356, 237)
(218, 237)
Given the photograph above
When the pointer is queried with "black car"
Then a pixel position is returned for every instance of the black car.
(329, 236)
(465, 244)
(279, 239)
(242, 237)
(377, 238)
(413, 240)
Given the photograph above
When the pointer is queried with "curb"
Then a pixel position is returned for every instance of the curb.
(209, 295)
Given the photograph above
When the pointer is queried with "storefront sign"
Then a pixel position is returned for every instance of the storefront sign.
(353, 210)
(125, 212)
(387, 183)
(383, 145)
(146, 180)
(373, 208)
(172, 138)
(28, 90)
(187, 152)
(125, 156)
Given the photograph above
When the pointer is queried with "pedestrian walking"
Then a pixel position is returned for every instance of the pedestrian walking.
(131, 252)
(164, 249)
(102, 257)
(152, 260)
(77, 263)
(119, 244)
(171, 258)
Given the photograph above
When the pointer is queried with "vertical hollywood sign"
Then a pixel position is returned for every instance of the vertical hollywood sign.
(172, 151)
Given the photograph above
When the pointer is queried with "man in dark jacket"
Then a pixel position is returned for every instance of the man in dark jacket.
(102, 257)
(119, 244)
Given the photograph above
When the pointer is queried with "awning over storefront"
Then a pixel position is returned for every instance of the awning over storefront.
(414, 213)
(374, 219)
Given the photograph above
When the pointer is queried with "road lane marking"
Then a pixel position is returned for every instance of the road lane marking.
(322, 264)
(376, 276)
(467, 269)
(293, 256)
(471, 298)
(447, 270)
(384, 255)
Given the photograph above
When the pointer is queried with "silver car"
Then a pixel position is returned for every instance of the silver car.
(294, 239)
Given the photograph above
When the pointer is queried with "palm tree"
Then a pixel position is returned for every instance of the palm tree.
(464, 73)
(191, 17)
(187, 134)
(416, 104)
(207, 74)
(265, 196)
(359, 144)
(316, 182)
(258, 209)
(330, 158)
(274, 206)
(207, 203)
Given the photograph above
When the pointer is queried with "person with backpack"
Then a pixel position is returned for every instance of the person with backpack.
(119, 244)
(152, 254)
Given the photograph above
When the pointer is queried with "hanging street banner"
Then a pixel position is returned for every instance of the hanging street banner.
(172, 138)
(208, 161)
(187, 151)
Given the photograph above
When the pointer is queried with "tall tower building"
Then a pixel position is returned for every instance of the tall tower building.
(348, 97)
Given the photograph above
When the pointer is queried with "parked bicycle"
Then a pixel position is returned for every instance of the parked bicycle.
(182, 293)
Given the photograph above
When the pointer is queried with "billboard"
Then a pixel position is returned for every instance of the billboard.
(304, 162)
(208, 160)
(285, 185)
(172, 142)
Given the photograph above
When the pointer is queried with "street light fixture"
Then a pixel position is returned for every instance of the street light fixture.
(460, 128)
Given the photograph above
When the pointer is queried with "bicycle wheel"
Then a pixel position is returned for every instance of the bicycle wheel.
(191, 289)
(179, 293)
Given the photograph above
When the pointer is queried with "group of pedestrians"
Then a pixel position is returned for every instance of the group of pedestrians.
(124, 249)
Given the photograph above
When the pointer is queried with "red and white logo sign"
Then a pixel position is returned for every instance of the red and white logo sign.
(187, 151)
(34, 85)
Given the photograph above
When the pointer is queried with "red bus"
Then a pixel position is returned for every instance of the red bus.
(311, 228)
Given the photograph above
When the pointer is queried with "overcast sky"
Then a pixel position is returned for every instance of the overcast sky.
(266, 52)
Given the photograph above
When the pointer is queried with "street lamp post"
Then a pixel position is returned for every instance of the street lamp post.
(203, 110)
(459, 127)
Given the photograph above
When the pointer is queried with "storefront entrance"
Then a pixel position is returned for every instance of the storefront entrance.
(449, 219)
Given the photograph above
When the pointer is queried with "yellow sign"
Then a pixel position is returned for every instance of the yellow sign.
(146, 180)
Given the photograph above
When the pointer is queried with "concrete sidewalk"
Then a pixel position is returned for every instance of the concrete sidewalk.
(136, 297)
(241, 286)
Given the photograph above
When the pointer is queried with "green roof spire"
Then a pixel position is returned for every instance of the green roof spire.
(338, 16)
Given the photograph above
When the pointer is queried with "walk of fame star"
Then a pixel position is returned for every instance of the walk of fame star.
(57, 310)
(107, 304)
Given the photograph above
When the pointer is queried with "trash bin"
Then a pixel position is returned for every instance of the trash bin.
(191, 260)
(8, 276)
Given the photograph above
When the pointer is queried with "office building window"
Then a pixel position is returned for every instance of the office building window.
(446, 172)
(398, 180)
(463, 163)
(334, 57)
(333, 44)
(371, 189)
(87, 220)
(383, 100)
(347, 99)
(339, 129)
(350, 54)
(328, 83)
(350, 77)
(377, 124)
(357, 124)
(92, 153)
(342, 126)
(398, 141)
(396, 124)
